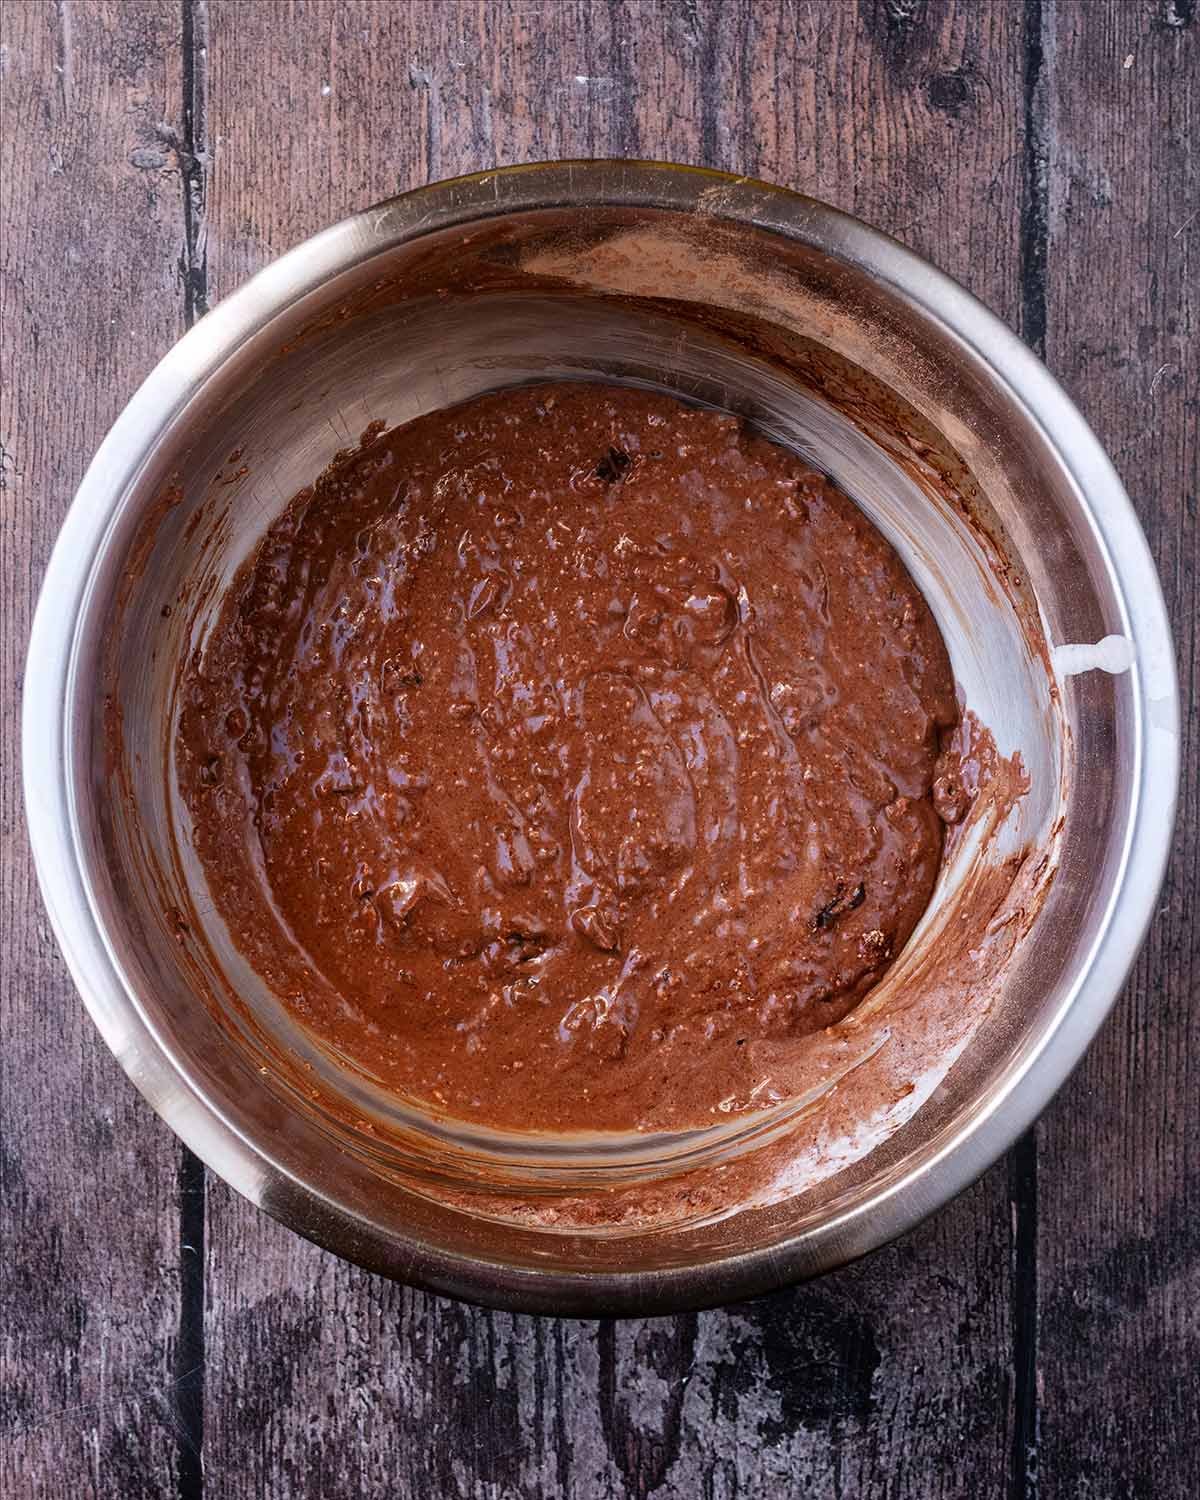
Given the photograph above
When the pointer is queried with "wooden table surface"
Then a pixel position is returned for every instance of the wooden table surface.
(1040, 1336)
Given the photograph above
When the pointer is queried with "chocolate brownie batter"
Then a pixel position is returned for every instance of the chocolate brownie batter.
(564, 758)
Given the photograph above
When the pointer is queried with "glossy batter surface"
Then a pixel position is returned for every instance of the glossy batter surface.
(565, 758)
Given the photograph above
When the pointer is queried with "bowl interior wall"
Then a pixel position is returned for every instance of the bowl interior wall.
(808, 350)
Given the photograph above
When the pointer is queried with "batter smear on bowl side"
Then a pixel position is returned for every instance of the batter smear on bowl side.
(565, 758)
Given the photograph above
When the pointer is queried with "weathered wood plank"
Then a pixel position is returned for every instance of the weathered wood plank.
(322, 1380)
(895, 1375)
(89, 1287)
(1119, 1262)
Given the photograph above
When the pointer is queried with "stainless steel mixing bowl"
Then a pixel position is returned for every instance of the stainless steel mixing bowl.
(826, 334)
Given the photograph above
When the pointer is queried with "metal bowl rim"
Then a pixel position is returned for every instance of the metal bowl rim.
(47, 767)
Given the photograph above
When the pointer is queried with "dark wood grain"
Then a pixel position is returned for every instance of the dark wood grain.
(1119, 1176)
(1034, 1336)
(90, 1274)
